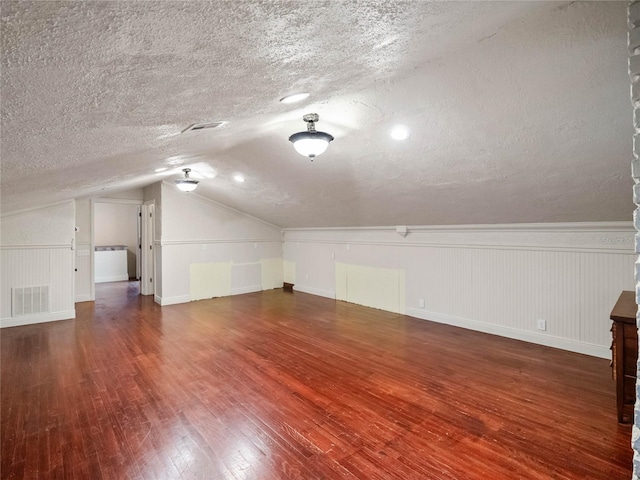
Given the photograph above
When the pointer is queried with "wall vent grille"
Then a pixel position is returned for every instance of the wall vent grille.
(30, 300)
(202, 126)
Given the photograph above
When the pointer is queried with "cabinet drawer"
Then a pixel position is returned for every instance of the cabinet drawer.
(630, 367)
(629, 390)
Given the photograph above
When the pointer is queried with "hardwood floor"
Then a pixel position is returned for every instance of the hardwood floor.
(276, 385)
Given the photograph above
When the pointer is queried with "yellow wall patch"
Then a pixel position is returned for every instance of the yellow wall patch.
(208, 280)
(382, 288)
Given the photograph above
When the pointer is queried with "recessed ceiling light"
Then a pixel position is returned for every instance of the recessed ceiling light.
(294, 97)
(399, 132)
(161, 169)
(238, 178)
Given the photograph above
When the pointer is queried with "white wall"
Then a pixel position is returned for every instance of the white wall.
(49, 225)
(37, 250)
(209, 250)
(131, 194)
(496, 279)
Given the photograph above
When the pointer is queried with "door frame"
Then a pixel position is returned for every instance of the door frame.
(93, 238)
(147, 257)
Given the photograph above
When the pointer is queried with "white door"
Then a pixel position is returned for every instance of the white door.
(147, 282)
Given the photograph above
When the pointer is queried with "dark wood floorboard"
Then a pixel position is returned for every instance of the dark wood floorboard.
(276, 385)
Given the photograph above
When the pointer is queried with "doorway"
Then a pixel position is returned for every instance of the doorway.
(116, 241)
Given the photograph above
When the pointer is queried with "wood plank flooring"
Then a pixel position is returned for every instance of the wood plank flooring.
(275, 385)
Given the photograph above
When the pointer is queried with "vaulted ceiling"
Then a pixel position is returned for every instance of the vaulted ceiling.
(518, 111)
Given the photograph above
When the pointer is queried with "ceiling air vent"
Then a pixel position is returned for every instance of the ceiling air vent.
(202, 126)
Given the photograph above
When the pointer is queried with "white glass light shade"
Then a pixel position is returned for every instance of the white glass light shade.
(310, 144)
(186, 185)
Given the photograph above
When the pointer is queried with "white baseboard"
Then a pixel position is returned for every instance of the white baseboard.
(531, 337)
(187, 298)
(37, 318)
(84, 298)
(172, 300)
(115, 278)
(315, 291)
(249, 289)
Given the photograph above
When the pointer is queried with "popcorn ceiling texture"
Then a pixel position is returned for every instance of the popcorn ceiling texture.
(518, 110)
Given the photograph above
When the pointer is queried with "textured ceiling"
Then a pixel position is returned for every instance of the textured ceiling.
(519, 112)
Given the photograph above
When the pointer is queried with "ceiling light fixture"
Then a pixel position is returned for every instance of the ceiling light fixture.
(310, 143)
(295, 98)
(238, 178)
(186, 184)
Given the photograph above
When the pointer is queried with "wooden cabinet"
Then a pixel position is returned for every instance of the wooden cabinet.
(624, 347)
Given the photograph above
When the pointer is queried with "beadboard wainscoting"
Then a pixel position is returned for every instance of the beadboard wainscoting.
(34, 266)
(195, 270)
(37, 259)
(205, 249)
(497, 279)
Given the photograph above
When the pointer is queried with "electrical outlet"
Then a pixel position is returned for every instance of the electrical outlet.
(204, 247)
(421, 303)
(333, 255)
(306, 276)
(542, 325)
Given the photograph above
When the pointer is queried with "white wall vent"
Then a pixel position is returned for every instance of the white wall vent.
(202, 126)
(29, 300)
